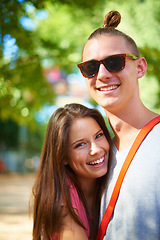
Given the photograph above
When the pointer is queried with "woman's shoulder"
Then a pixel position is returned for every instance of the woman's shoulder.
(71, 229)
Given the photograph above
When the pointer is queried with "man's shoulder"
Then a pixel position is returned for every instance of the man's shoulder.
(152, 139)
(156, 128)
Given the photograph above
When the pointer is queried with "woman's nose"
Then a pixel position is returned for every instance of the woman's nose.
(94, 149)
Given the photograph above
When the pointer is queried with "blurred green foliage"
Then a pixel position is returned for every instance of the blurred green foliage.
(37, 34)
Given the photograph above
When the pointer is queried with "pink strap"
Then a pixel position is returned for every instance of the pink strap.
(108, 213)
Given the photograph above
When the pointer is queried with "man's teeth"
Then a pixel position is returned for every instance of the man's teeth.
(108, 88)
(96, 162)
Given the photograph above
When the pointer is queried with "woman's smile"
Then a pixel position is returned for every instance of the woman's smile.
(97, 162)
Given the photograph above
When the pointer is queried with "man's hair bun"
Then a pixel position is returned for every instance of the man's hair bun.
(112, 19)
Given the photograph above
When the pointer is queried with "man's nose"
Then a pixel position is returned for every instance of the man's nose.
(103, 73)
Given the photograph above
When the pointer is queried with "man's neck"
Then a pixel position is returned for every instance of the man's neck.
(127, 126)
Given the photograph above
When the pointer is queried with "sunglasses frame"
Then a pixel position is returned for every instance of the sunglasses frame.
(98, 62)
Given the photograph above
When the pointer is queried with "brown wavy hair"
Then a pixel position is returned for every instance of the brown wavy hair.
(50, 186)
(110, 22)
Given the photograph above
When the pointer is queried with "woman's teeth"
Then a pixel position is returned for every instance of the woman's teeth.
(96, 162)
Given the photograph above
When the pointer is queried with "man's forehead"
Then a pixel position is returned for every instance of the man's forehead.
(98, 48)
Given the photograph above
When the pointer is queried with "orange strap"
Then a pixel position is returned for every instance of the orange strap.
(108, 213)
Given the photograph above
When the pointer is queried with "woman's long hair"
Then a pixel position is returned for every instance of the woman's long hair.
(51, 187)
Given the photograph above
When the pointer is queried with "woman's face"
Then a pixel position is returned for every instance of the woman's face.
(88, 149)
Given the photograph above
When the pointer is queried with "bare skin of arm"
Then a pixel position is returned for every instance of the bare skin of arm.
(72, 230)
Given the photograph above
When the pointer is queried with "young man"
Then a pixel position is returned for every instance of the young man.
(112, 66)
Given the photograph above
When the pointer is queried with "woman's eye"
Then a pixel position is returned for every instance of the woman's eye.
(99, 135)
(79, 145)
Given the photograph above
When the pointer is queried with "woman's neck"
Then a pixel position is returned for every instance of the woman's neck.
(88, 187)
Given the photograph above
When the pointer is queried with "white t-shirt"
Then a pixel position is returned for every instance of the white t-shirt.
(137, 212)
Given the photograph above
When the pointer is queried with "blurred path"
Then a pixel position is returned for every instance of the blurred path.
(15, 192)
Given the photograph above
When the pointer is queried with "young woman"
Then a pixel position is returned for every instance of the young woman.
(72, 175)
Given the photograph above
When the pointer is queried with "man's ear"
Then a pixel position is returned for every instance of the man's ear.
(141, 67)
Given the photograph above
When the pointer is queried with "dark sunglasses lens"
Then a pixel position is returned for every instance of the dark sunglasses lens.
(114, 63)
(90, 69)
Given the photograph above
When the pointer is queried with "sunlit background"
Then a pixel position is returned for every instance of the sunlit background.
(41, 44)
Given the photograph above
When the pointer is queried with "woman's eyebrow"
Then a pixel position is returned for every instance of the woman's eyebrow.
(79, 140)
(98, 131)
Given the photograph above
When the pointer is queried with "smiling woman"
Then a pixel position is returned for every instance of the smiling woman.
(72, 175)
(89, 150)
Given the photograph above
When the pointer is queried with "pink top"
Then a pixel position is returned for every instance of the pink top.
(77, 204)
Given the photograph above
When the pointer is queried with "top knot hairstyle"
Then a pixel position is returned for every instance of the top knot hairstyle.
(111, 21)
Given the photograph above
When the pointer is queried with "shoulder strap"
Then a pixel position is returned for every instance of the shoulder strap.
(108, 213)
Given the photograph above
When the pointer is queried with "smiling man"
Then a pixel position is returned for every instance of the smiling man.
(112, 67)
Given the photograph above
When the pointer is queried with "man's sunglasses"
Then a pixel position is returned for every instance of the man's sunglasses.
(112, 63)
